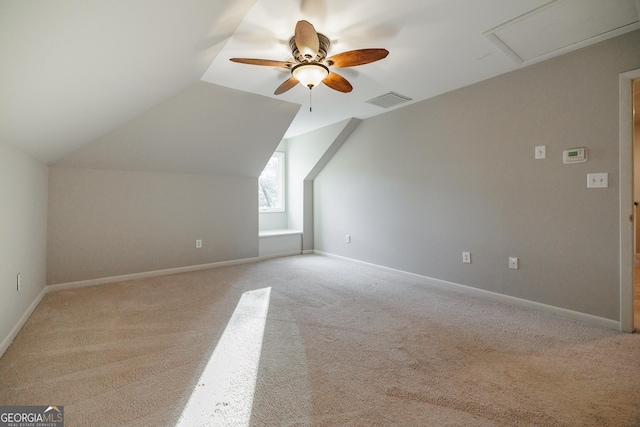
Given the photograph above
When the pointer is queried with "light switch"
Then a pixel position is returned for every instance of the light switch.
(597, 180)
(541, 152)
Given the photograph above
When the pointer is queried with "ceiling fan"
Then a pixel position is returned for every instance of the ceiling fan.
(311, 67)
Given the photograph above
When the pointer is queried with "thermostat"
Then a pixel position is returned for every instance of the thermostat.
(575, 155)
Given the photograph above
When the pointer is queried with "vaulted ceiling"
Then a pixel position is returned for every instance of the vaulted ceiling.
(148, 85)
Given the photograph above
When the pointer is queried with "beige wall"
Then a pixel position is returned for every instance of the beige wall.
(23, 235)
(105, 223)
(419, 185)
(308, 154)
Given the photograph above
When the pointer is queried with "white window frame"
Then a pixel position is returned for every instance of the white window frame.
(281, 185)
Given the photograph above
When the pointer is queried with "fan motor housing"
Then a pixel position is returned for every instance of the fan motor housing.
(325, 44)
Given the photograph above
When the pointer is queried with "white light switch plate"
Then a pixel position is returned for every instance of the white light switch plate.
(597, 180)
(541, 152)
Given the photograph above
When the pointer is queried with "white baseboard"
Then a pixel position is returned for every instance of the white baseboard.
(6, 342)
(308, 252)
(468, 290)
(279, 255)
(133, 276)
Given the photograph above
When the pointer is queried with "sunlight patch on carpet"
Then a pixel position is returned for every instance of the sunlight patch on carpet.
(224, 393)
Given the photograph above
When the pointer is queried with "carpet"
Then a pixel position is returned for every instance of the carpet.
(343, 344)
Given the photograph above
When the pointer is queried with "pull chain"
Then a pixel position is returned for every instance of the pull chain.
(309, 98)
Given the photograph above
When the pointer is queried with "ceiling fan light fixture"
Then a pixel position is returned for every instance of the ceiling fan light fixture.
(310, 74)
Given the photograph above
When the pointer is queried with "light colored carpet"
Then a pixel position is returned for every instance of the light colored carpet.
(344, 345)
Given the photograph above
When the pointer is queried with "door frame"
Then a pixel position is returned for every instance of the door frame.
(627, 251)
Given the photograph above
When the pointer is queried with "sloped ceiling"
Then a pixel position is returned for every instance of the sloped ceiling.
(73, 71)
(194, 132)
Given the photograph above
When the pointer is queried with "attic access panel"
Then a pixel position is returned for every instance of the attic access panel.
(563, 25)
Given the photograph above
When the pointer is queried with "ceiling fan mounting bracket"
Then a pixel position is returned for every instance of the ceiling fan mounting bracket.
(325, 45)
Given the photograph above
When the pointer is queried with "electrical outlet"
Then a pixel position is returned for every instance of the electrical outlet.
(198, 244)
(466, 257)
(513, 262)
(19, 282)
(348, 239)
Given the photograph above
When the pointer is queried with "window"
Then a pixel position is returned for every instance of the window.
(271, 185)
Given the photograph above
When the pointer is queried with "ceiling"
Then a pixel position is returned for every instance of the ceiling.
(435, 46)
(75, 74)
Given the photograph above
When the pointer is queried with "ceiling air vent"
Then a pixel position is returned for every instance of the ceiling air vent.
(388, 100)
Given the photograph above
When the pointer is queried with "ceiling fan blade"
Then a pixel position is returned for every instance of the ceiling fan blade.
(337, 82)
(307, 40)
(288, 84)
(356, 57)
(265, 62)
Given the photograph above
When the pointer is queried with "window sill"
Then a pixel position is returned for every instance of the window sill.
(282, 232)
